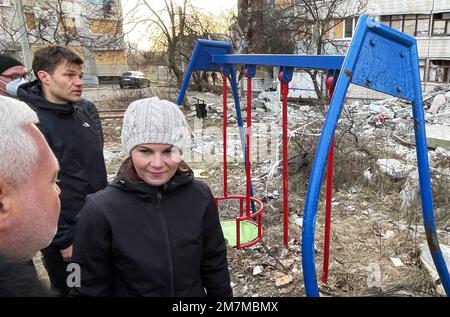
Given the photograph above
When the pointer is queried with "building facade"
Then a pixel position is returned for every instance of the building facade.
(427, 20)
(91, 27)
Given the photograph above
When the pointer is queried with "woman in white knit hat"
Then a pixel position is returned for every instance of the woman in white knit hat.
(154, 231)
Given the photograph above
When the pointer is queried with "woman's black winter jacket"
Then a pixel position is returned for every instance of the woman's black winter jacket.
(133, 239)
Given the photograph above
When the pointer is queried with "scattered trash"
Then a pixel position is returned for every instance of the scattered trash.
(284, 280)
(389, 234)
(257, 270)
(108, 155)
(200, 174)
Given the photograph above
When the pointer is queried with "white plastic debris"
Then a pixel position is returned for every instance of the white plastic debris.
(389, 234)
(257, 270)
(397, 262)
(368, 175)
(299, 221)
(108, 155)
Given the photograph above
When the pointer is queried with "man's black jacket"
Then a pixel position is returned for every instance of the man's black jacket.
(73, 131)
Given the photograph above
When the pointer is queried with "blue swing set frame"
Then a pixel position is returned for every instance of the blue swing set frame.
(379, 58)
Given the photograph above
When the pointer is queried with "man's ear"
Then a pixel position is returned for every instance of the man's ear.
(44, 77)
(5, 204)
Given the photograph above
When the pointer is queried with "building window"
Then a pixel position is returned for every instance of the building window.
(419, 24)
(110, 57)
(416, 24)
(423, 25)
(409, 24)
(345, 28)
(30, 20)
(439, 71)
(441, 23)
(110, 27)
(397, 22)
(349, 26)
(67, 25)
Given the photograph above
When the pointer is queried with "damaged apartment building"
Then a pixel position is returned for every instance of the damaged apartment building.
(429, 22)
(91, 27)
(327, 27)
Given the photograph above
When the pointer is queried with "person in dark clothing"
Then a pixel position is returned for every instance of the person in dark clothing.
(12, 75)
(155, 230)
(29, 202)
(19, 279)
(73, 130)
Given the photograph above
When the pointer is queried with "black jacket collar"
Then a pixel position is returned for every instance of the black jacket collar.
(31, 93)
(149, 192)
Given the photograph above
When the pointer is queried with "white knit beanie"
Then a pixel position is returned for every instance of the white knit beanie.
(156, 121)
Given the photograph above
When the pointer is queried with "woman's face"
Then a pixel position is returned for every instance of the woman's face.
(155, 164)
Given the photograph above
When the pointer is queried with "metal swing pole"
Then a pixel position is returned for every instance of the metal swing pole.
(284, 95)
(248, 138)
(225, 104)
(329, 195)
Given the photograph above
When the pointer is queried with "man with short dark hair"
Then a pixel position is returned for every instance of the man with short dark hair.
(12, 75)
(72, 128)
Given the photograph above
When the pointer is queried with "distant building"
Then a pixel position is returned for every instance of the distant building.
(92, 27)
(427, 20)
(429, 25)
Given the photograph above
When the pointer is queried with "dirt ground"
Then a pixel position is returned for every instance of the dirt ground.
(370, 232)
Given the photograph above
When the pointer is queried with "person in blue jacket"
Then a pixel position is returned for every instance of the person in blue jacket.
(72, 128)
(155, 230)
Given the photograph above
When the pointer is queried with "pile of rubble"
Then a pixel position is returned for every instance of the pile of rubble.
(390, 118)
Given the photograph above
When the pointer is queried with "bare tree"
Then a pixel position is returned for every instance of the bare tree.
(51, 22)
(171, 22)
(174, 30)
(296, 26)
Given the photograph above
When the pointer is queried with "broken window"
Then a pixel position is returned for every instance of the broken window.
(67, 25)
(409, 25)
(423, 25)
(30, 20)
(439, 71)
(397, 22)
(441, 23)
(338, 30)
(422, 69)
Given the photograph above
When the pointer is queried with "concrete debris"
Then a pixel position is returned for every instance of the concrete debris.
(438, 136)
(394, 168)
(428, 263)
(438, 102)
(441, 151)
(284, 280)
(410, 190)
